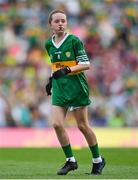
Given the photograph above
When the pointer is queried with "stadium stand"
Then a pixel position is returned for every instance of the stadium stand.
(109, 31)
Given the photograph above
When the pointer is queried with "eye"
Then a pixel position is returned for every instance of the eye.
(56, 21)
(63, 20)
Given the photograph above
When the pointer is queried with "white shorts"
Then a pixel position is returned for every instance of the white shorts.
(72, 108)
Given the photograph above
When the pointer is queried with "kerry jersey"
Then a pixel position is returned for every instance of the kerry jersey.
(72, 89)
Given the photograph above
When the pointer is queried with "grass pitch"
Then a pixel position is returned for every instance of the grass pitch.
(43, 163)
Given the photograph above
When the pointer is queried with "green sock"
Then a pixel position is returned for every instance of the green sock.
(67, 151)
(94, 150)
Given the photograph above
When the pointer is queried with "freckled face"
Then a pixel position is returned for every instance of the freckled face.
(58, 23)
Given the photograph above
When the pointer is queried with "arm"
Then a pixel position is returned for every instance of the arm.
(80, 67)
(48, 87)
(64, 71)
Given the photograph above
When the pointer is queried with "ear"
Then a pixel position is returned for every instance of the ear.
(49, 24)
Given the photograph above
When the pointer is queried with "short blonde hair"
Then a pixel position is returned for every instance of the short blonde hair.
(54, 12)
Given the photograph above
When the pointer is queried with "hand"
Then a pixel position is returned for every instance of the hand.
(49, 87)
(61, 72)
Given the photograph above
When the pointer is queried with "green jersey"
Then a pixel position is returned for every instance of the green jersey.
(72, 89)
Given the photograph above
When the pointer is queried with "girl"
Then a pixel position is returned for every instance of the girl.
(70, 90)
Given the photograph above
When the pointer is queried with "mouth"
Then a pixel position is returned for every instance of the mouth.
(60, 28)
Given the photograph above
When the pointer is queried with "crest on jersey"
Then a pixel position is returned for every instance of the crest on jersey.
(68, 54)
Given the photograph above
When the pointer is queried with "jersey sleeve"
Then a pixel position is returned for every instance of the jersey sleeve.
(80, 52)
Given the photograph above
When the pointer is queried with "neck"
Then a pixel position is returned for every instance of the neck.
(59, 37)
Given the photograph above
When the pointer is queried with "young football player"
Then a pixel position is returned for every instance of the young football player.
(70, 90)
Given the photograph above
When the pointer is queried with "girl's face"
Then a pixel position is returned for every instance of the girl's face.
(58, 23)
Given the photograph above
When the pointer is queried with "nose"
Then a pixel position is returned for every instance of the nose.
(60, 23)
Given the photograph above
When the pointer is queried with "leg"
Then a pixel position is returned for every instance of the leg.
(81, 116)
(59, 114)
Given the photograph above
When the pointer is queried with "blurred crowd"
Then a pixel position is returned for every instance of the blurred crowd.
(109, 30)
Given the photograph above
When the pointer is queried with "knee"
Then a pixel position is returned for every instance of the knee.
(82, 127)
(57, 125)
